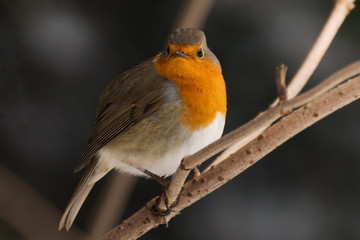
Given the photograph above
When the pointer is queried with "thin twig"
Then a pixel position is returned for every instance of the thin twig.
(270, 139)
(340, 11)
(280, 82)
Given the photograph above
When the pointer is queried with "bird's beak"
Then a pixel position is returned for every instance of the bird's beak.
(180, 53)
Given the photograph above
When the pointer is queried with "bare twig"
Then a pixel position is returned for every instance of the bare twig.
(340, 11)
(280, 81)
(319, 107)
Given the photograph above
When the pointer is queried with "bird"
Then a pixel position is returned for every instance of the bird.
(151, 116)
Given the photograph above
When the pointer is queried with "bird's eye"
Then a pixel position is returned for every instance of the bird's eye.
(200, 53)
(167, 51)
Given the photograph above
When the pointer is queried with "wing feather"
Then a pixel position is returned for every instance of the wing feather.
(115, 119)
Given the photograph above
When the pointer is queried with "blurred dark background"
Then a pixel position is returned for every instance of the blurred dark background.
(57, 56)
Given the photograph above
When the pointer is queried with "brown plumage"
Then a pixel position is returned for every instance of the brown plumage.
(121, 106)
(154, 114)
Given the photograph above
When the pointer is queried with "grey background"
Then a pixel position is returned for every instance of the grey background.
(56, 57)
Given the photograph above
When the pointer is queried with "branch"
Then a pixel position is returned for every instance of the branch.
(340, 11)
(252, 129)
(319, 107)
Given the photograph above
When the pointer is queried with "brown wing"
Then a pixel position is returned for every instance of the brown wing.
(115, 119)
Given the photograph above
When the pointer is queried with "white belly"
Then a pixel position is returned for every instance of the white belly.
(169, 161)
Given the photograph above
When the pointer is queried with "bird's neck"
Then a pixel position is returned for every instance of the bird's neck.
(201, 86)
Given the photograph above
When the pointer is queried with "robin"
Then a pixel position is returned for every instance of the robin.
(153, 115)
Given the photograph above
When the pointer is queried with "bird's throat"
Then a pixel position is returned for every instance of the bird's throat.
(201, 86)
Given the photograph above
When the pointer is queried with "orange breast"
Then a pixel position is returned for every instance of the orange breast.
(201, 86)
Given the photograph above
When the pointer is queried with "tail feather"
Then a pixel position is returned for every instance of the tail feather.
(92, 174)
(73, 207)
